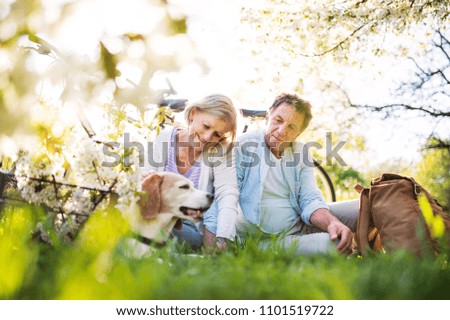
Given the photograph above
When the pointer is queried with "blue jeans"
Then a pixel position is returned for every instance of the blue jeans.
(190, 234)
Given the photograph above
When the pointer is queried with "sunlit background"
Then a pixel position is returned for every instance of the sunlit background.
(216, 55)
(339, 56)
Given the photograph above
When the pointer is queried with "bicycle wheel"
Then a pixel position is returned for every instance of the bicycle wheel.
(324, 183)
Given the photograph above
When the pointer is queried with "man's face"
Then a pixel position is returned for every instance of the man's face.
(284, 126)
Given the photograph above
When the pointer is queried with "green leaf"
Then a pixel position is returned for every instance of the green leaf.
(434, 223)
(109, 62)
(177, 26)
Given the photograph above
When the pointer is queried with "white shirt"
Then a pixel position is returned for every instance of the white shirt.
(277, 213)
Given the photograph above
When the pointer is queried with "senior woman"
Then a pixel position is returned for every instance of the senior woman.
(202, 153)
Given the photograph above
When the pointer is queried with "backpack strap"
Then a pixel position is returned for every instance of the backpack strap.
(362, 229)
(393, 176)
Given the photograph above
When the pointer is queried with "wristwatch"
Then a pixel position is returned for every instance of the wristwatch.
(220, 240)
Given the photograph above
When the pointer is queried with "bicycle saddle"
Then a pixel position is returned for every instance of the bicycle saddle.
(253, 113)
(176, 105)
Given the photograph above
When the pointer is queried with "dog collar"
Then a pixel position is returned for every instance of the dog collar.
(148, 241)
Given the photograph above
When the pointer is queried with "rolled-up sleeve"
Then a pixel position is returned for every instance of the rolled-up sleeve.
(310, 197)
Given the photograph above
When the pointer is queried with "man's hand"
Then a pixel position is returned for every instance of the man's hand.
(338, 231)
(323, 219)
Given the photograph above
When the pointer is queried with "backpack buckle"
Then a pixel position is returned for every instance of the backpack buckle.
(416, 189)
(359, 188)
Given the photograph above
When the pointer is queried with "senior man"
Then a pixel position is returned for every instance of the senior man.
(278, 190)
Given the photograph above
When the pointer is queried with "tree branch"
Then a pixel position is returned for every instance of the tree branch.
(441, 47)
(438, 144)
(337, 45)
(395, 106)
(443, 37)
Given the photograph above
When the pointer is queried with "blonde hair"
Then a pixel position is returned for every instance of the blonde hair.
(218, 106)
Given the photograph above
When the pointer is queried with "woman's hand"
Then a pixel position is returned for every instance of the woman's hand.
(221, 243)
(211, 243)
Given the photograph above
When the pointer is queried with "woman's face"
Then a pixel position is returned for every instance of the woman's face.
(205, 130)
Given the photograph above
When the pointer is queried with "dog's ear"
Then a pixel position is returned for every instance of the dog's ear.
(146, 174)
(150, 202)
(178, 224)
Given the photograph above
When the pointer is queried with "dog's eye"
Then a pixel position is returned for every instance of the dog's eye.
(184, 186)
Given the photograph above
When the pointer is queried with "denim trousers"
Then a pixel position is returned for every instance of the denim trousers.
(190, 234)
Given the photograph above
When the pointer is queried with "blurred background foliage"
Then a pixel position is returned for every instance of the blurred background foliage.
(433, 171)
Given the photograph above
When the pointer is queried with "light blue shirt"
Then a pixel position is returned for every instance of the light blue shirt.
(252, 162)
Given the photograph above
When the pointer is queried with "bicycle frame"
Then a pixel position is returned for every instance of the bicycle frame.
(252, 118)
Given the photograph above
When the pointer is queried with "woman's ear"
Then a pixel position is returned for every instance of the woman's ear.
(192, 114)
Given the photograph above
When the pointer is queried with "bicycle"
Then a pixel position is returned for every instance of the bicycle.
(252, 118)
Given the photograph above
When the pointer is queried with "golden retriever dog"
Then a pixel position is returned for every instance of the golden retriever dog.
(167, 198)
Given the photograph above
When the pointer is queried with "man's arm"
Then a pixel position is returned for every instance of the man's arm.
(237, 152)
(323, 219)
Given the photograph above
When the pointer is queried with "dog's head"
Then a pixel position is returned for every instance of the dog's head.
(171, 193)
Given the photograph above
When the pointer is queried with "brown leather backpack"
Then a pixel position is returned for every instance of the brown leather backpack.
(390, 217)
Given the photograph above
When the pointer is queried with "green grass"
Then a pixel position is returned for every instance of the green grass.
(96, 266)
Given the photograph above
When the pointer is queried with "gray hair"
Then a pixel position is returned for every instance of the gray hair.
(218, 106)
(301, 106)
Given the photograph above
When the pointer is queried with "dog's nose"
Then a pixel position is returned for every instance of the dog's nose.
(210, 197)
